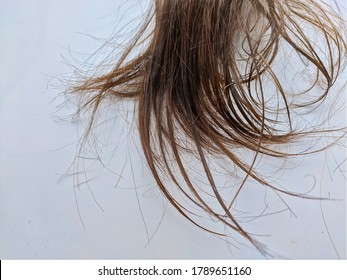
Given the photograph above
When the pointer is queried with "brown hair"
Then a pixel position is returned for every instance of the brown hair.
(207, 82)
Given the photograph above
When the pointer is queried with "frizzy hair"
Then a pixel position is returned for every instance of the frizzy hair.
(200, 81)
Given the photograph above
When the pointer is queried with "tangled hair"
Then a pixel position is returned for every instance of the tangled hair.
(206, 82)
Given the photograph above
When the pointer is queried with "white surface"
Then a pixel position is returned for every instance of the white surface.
(38, 213)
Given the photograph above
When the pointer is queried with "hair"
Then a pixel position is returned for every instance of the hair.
(207, 82)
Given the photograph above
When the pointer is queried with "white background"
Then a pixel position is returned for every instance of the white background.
(38, 208)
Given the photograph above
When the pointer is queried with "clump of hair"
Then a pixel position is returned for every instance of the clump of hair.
(207, 81)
